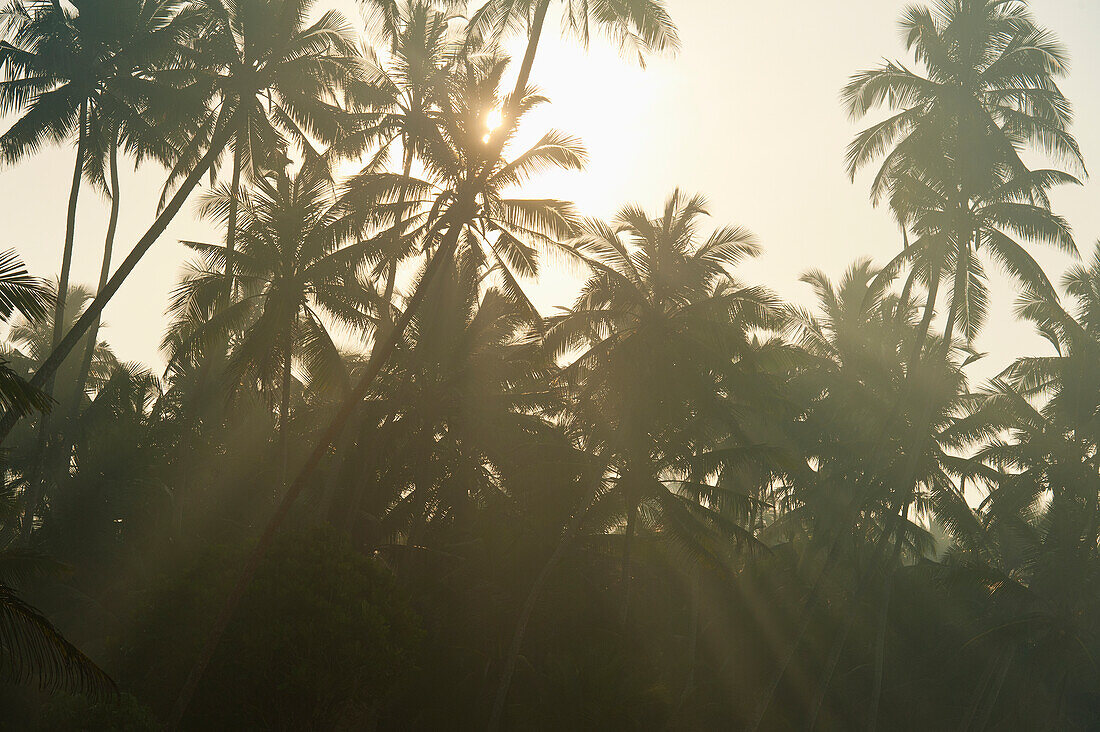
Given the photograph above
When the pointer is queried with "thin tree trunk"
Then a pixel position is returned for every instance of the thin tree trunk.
(95, 309)
(45, 454)
(104, 269)
(929, 311)
(829, 671)
(525, 617)
(284, 406)
(231, 226)
(958, 295)
(693, 644)
(70, 233)
(463, 208)
(391, 273)
(804, 625)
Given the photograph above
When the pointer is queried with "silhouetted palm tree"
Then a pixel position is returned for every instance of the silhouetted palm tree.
(955, 140)
(296, 272)
(298, 73)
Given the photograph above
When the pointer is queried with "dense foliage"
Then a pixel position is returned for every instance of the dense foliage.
(678, 502)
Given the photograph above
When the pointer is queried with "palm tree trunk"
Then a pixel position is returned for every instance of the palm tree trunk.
(693, 643)
(284, 405)
(105, 267)
(884, 617)
(95, 308)
(524, 618)
(806, 615)
(926, 320)
(45, 455)
(391, 273)
(231, 225)
(70, 234)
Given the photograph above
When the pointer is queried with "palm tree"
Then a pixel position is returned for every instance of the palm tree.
(301, 68)
(655, 341)
(873, 446)
(660, 318)
(1036, 558)
(72, 73)
(644, 20)
(30, 297)
(408, 86)
(34, 650)
(134, 108)
(46, 462)
(296, 272)
(506, 236)
(297, 77)
(990, 90)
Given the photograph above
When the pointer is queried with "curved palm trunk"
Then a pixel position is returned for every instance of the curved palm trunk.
(104, 269)
(94, 310)
(926, 319)
(45, 454)
(70, 234)
(463, 208)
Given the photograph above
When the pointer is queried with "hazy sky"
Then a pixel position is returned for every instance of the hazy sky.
(748, 114)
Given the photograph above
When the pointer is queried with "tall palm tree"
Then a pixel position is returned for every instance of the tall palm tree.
(957, 133)
(506, 235)
(300, 72)
(1035, 434)
(661, 318)
(69, 73)
(295, 93)
(874, 455)
(654, 341)
(651, 24)
(134, 110)
(296, 272)
(408, 87)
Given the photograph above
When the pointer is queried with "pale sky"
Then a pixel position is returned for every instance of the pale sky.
(748, 114)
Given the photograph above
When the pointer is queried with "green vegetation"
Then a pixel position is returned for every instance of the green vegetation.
(377, 488)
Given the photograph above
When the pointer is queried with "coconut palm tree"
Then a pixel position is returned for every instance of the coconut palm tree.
(661, 318)
(296, 272)
(659, 346)
(651, 24)
(45, 463)
(1034, 430)
(507, 235)
(408, 85)
(299, 76)
(957, 134)
(34, 650)
(72, 73)
(30, 297)
(875, 455)
(296, 69)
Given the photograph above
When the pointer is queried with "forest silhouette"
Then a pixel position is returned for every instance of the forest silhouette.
(377, 487)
